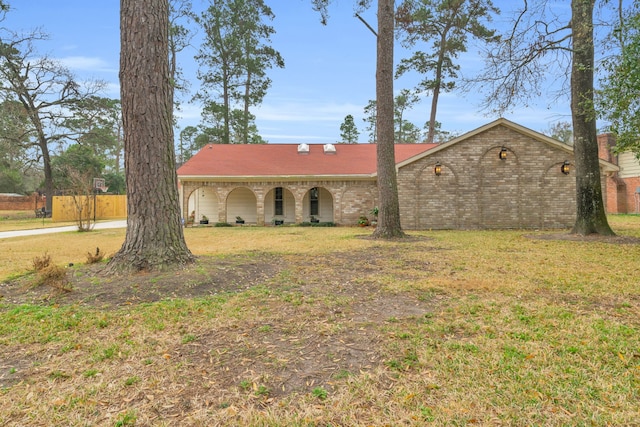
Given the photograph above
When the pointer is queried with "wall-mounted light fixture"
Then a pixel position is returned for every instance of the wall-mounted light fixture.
(565, 168)
(502, 155)
(437, 169)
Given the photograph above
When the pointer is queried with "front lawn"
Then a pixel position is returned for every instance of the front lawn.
(302, 326)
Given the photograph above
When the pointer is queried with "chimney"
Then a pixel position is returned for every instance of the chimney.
(606, 142)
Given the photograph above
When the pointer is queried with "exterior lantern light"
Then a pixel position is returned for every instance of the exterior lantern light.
(502, 155)
(565, 168)
(437, 169)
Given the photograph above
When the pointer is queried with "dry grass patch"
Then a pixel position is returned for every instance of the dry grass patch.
(94, 258)
(26, 220)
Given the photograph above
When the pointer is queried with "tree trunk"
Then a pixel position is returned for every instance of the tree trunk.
(247, 95)
(436, 89)
(154, 238)
(389, 211)
(48, 174)
(590, 210)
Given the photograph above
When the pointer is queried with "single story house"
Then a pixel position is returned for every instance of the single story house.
(500, 175)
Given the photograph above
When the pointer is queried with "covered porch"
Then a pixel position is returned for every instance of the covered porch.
(256, 204)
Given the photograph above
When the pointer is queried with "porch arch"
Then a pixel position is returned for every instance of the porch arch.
(318, 201)
(288, 206)
(203, 201)
(241, 201)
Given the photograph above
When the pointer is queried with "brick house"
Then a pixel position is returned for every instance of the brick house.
(501, 175)
(622, 186)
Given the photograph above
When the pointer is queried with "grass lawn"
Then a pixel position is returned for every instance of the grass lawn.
(26, 220)
(294, 326)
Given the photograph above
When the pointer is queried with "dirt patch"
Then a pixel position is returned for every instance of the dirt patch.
(91, 287)
(305, 337)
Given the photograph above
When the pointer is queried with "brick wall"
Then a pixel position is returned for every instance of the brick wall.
(478, 190)
(21, 203)
(628, 194)
(620, 192)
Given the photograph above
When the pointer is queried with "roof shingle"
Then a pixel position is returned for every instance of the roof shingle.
(235, 160)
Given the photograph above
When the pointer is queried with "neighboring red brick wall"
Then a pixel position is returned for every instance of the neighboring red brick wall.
(606, 142)
(632, 198)
(21, 203)
(621, 193)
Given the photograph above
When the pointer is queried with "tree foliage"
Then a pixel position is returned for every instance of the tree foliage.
(537, 43)
(180, 35)
(562, 131)
(46, 91)
(76, 167)
(405, 130)
(186, 144)
(370, 114)
(620, 95)
(97, 123)
(349, 131)
(443, 28)
(17, 160)
(234, 59)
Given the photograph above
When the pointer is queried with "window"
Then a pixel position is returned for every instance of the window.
(279, 201)
(313, 201)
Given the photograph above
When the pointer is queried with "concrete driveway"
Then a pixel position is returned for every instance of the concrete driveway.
(98, 226)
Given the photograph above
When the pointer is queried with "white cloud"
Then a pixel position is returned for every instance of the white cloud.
(306, 111)
(85, 63)
(286, 138)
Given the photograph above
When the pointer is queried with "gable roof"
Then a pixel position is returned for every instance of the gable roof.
(244, 161)
(606, 166)
(283, 160)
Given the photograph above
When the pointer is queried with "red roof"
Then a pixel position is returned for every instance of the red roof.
(234, 160)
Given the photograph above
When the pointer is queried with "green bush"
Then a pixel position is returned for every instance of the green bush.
(318, 224)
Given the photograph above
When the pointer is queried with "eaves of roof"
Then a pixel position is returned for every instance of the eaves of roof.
(251, 178)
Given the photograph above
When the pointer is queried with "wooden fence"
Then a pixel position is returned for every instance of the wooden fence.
(65, 208)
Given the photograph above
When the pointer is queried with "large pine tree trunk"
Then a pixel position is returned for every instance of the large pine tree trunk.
(436, 90)
(389, 211)
(154, 238)
(590, 210)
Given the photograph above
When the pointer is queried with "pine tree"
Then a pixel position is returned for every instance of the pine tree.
(349, 131)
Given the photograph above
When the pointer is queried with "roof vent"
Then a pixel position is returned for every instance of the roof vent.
(303, 149)
(329, 149)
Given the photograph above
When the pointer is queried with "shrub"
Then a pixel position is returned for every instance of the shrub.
(92, 259)
(318, 224)
(54, 276)
(50, 274)
(41, 262)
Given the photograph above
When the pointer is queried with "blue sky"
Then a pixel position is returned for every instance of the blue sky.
(329, 70)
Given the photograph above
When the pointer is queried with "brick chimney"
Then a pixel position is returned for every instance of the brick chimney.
(606, 142)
